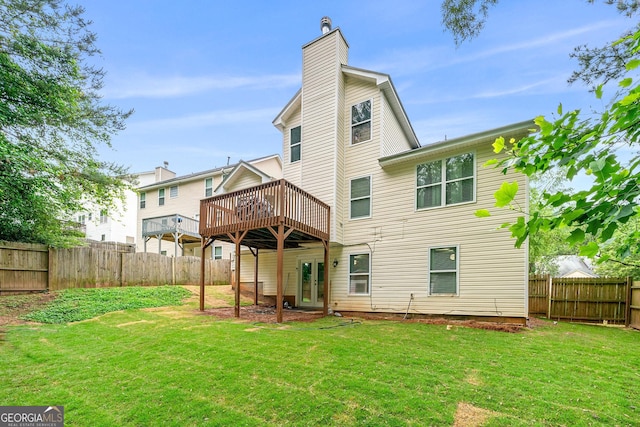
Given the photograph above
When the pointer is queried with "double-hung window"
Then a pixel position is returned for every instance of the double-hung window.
(446, 182)
(173, 191)
(359, 274)
(296, 138)
(360, 196)
(361, 122)
(143, 200)
(103, 216)
(161, 197)
(443, 270)
(208, 187)
(217, 252)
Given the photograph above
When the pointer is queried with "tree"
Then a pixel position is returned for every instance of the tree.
(629, 266)
(51, 122)
(546, 245)
(577, 142)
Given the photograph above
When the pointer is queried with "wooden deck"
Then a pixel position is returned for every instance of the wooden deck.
(276, 215)
(258, 208)
(173, 228)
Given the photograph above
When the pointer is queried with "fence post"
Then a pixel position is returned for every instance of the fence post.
(49, 264)
(627, 309)
(173, 270)
(549, 296)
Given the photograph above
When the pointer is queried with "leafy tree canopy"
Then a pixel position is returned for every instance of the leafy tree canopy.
(51, 122)
(578, 142)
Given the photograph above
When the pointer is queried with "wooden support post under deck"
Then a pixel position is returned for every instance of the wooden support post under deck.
(237, 305)
(255, 279)
(202, 245)
(205, 242)
(325, 299)
(280, 270)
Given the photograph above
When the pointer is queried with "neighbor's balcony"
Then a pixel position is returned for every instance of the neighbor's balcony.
(170, 224)
(266, 205)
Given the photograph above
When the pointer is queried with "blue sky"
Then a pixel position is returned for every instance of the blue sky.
(206, 78)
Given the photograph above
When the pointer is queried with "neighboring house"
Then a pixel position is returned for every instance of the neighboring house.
(574, 266)
(403, 235)
(119, 224)
(168, 211)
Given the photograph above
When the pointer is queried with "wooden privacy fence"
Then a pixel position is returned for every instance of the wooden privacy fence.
(26, 267)
(584, 299)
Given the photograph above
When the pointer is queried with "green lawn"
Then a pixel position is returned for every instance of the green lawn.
(173, 366)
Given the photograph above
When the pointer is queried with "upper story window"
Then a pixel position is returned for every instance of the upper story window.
(296, 138)
(446, 182)
(143, 200)
(103, 216)
(161, 197)
(173, 191)
(360, 197)
(82, 219)
(361, 122)
(208, 187)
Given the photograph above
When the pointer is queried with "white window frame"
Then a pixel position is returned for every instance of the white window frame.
(443, 183)
(298, 144)
(214, 255)
(208, 187)
(143, 200)
(368, 274)
(173, 191)
(352, 125)
(370, 197)
(161, 196)
(104, 216)
(456, 271)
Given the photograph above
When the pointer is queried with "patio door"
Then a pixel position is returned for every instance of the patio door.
(311, 283)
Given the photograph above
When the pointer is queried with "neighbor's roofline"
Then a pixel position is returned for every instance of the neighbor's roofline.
(205, 173)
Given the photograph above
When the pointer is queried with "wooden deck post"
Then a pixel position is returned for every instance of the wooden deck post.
(255, 279)
(325, 299)
(280, 274)
(237, 304)
(202, 270)
(204, 244)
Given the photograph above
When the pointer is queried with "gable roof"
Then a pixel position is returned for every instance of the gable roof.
(381, 80)
(514, 130)
(205, 173)
(384, 83)
(574, 265)
(240, 169)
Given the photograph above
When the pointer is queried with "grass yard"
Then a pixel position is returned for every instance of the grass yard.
(174, 366)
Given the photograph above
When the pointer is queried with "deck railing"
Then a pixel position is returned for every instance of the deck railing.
(270, 204)
(170, 224)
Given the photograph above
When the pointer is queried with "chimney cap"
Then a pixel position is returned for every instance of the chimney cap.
(325, 24)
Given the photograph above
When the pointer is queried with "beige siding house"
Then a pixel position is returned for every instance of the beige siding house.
(169, 210)
(403, 236)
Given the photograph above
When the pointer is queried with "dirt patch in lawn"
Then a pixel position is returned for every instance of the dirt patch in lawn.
(471, 416)
(12, 307)
(264, 314)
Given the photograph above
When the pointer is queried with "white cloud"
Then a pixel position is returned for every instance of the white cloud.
(146, 86)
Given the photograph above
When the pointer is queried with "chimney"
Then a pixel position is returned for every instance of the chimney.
(325, 24)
